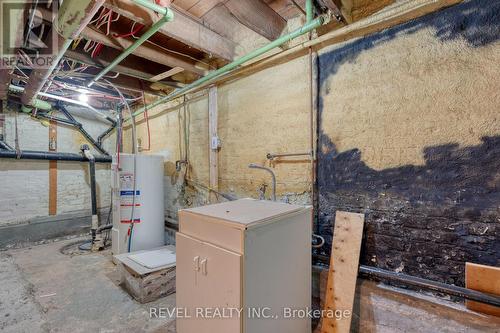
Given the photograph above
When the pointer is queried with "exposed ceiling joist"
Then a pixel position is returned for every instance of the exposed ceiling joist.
(145, 51)
(258, 16)
(100, 63)
(354, 10)
(183, 28)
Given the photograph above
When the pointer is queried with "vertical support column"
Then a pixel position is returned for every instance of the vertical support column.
(214, 142)
(53, 169)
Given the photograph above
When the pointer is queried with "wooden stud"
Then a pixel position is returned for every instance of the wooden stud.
(343, 271)
(53, 169)
(485, 279)
(213, 142)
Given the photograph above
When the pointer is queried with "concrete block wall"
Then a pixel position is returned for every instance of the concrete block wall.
(24, 184)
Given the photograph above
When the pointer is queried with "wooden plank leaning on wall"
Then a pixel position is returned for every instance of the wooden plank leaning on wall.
(343, 272)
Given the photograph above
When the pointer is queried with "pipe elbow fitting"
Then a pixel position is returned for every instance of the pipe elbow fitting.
(86, 152)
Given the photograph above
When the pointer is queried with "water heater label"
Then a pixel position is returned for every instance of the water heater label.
(128, 200)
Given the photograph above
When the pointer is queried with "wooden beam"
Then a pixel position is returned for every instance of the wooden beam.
(53, 169)
(145, 51)
(342, 276)
(184, 28)
(101, 63)
(166, 74)
(258, 16)
(129, 77)
(213, 142)
(385, 19)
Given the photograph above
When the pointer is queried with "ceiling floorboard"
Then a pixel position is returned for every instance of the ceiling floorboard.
(184, 28)
(258, 16)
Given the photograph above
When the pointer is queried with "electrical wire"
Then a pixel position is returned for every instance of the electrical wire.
(134, 151)
(132, 31)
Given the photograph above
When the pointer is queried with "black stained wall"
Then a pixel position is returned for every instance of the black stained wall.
(423, 220)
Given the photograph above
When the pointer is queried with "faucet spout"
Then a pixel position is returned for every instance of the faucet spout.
(256, 166)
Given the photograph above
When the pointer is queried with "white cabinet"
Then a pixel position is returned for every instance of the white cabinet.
(242, 265)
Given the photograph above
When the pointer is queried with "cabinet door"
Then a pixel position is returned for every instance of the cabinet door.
(208, 280)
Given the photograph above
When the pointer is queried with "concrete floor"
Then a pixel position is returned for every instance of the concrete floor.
(44, 290)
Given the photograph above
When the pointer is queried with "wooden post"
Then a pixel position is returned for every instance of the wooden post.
(213, 142)
(53, 169)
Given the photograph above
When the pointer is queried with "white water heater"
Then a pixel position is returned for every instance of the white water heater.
(144, 207)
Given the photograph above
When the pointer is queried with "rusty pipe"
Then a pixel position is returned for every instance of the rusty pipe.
(272, 156)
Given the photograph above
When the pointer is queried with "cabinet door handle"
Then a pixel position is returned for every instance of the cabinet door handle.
(204, 266)
(196, 261)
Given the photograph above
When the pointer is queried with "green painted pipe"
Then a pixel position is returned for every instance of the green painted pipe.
(37, 103)
(157, 8)
(168, 16)
(223, 70)
(309, 11)
(42, 105)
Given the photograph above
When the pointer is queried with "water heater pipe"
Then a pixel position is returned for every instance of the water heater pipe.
(255, 166)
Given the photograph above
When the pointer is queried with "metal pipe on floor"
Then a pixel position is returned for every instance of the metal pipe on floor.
(382, 274)
(461, 292)
(49, 156)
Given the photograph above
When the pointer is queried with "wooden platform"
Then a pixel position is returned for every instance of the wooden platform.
(145, 284)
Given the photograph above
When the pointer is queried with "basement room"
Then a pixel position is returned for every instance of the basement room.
(250, 166)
